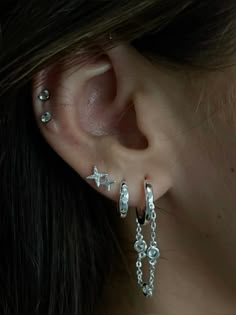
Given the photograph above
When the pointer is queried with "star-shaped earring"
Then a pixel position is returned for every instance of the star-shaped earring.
(96, 176)
(107, 183)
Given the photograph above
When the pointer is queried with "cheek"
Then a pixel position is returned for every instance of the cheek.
(204, 184)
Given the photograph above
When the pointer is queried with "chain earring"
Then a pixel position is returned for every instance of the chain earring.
(150, 252)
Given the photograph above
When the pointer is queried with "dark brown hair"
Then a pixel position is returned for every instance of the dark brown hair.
(57, 235)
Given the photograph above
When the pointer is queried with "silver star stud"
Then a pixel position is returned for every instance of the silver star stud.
(107, 182)
(96, 176)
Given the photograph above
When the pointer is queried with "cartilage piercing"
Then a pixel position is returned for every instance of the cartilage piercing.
(45, 96)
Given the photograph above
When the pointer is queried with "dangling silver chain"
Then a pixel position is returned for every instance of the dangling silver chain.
(152, 253)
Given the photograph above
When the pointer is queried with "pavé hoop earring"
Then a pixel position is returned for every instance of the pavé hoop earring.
(45, 96)
(124, 200)
(149, 206)
(150, 252)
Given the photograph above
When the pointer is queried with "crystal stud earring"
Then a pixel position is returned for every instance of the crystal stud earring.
(44, 95)
(46, 117)
(97, 177)
(107, 182)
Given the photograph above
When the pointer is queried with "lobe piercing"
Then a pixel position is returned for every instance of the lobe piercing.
(96, 176)
(124, 200)
(107, 183)
(151, 252)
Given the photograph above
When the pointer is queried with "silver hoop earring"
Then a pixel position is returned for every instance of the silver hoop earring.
(124, 200)
(149, 206)
(150, 252)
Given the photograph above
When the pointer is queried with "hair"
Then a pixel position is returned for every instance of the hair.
(58, 236)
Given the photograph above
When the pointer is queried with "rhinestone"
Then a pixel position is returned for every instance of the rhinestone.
(124, 199)
(46, 117)
(140, 246)
(146, 290)
(44, 95)
(153, 252)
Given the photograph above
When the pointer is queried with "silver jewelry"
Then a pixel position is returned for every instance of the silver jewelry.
(149, 206)
(46, 117)
(107, 182)
(124, 200)
(44, 95)
(150, 252)
(96, 176)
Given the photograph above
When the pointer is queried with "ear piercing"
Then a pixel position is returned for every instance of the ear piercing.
(96, 176)
(124, 200)
(144, 251)
(149, 206)
(150, 252)
(107, 182)
(46, 117)
(45, 96)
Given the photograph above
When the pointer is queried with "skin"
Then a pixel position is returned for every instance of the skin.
(178, 131)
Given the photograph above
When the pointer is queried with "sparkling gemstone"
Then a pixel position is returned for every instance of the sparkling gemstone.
(46, 117)
(153, 252)
(44, 95)
(146, 290)
(124, 202)
(140, 246)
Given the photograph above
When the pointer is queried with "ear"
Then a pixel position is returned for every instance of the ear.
(104, 112)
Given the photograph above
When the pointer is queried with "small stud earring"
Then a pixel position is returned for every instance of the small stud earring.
(97, 177)
(107, 182)
(44, 95)
(46, 117)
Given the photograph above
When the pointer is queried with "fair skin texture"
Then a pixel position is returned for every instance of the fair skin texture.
(179, 132)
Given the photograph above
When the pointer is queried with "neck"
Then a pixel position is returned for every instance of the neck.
(189, 275)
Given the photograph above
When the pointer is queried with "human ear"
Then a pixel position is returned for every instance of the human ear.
(103, 114)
